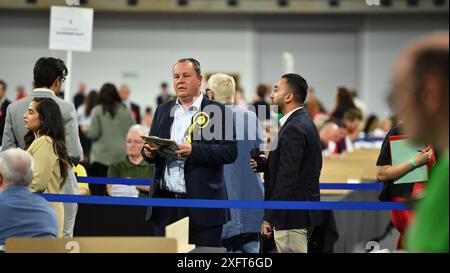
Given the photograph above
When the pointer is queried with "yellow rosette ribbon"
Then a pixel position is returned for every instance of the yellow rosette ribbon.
(200, 120)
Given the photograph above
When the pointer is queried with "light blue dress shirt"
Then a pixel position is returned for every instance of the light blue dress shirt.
(174, 172)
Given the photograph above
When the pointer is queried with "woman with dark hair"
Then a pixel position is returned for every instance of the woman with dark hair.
(46, 143)
(372, 124)
(84, 111)
(84, 121)
(344, 102)
(110, 121)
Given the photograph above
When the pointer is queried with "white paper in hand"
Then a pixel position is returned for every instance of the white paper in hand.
(166, 147)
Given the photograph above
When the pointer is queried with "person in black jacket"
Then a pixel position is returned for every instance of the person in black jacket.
(164, 96)
(124, 93)
(4, 102)
(79, 98)
(292, 169)
(388, 173)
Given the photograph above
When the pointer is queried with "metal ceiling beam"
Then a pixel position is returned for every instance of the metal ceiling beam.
(240, 7)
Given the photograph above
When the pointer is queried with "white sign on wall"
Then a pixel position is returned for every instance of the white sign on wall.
(71, 28)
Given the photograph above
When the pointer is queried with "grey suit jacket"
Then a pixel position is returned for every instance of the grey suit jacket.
(15, 131)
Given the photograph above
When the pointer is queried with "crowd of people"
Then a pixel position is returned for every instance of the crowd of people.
(46, 140)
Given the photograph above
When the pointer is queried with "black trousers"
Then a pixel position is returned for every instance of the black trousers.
(98, 170)
(210, 236)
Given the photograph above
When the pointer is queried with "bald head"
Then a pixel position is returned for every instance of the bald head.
(421, 87)
(16, 167)
(124, 92)
(330, 132)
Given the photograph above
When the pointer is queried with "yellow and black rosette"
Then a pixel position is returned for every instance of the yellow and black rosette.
(200, 120)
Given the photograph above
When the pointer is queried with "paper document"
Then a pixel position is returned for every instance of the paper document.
(166, 147)
(403, 150)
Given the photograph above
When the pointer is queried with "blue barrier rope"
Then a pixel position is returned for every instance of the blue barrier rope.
(372, 186)
(369, 139)
(241, 204)
(147, 182)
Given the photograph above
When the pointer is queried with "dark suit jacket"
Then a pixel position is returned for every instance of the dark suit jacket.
(136, 111)
(78, 100)
(293, 171)
(3, 108)
(203, 170)
(162, 99)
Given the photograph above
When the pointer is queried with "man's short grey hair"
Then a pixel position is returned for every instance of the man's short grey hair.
(17, 166)
(223, 86)
(139, 129)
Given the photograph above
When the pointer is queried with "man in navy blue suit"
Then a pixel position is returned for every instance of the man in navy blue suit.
(205, 133)
(292, 170)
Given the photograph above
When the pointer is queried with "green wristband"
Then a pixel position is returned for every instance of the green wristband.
(412, 164)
